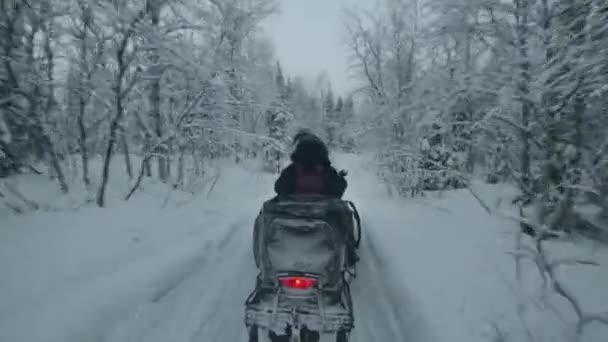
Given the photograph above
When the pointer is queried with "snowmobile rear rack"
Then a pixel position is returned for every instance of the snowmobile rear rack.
(310, 311)
(328, 322)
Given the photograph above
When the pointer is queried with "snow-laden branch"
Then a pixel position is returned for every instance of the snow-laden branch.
(519, 127)
(358, 35)
(172, 133)
(547, 267)
(572, 262)
(601, 318)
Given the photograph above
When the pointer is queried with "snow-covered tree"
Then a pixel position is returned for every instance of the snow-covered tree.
(154, 78)
(27, 80)
(279, 123)
(510, 89)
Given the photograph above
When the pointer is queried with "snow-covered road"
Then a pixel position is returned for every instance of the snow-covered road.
(207, 304)
(192, 287)
(428, 271)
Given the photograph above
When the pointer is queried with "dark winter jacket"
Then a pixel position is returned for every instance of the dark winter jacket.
(310, 171)
(295, 180)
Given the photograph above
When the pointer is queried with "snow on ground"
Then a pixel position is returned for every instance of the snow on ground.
(451, 257)
(432, 269)
(70, 275)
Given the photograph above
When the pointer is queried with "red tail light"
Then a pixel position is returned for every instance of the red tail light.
(299, 283)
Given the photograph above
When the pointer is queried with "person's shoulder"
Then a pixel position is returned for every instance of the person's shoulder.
(334, 172)
(288, 169)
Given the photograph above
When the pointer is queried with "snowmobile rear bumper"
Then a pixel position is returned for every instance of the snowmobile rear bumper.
(327, 322)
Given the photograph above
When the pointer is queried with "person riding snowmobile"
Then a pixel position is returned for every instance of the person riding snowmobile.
(310, 171)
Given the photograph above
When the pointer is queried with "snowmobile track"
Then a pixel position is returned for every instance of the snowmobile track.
(201, 260)
(383, 309)
(206, 303)
(190, 307)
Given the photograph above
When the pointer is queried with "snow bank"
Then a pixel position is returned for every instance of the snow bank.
(68, 276)
(452, 257)
(31, 192)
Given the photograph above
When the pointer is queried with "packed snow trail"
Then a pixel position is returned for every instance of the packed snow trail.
(205, 306)
(384, 308)
(384, 311)
(209, 304)
(134, 273)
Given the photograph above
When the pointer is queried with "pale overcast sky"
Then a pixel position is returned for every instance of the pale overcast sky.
(308, 39)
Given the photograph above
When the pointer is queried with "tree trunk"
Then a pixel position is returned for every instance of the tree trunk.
(580, 108)
(72, 166)
(82, 141)
(551, 174)
(604, 202)
(140, 177)
(161, 151)
(125, 150)
(522, 8)
(147, 166)
(197, 164)
(470, 161)
(46, 145)
(564, 129)
(169, 154)
(63, 185)
(107, 160)
(179, 183)
(115, 124)
(50, 104)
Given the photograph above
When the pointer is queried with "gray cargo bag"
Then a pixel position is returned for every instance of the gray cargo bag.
(306, 234)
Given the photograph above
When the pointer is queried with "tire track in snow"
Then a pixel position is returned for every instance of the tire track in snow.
(201, 260)
(177, 312)
(125, 292)
(383, 309)
(225, 320)
(207, 305)
(373, 321)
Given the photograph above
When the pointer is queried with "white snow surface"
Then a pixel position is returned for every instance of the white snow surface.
(432, 269)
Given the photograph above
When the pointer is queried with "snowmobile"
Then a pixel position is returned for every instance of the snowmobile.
(302, 292)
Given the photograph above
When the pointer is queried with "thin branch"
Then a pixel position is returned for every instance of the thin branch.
(525, 130)
(173, 133)
(602, 318)
(479, 200)
(572, 262)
